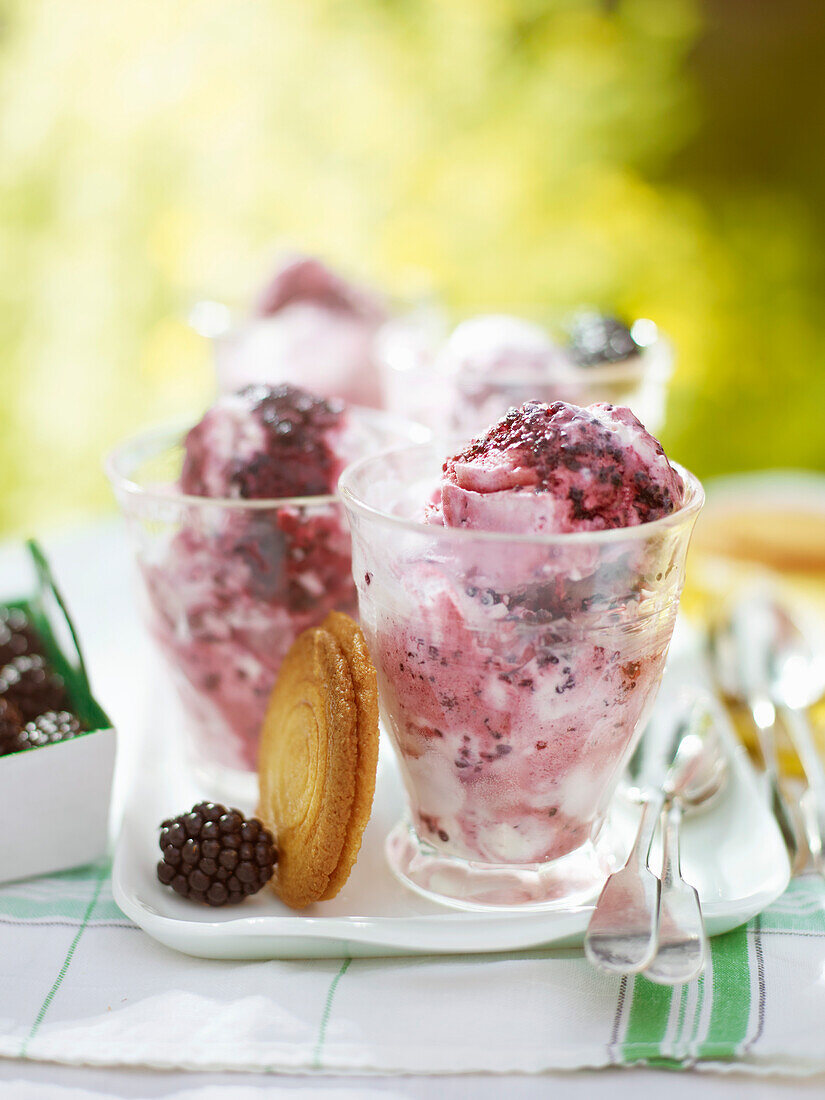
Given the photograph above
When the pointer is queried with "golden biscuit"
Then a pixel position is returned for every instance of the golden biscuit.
(307, 766)
(365, 682)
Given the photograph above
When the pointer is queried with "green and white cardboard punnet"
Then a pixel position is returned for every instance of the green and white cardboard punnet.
(54, 801)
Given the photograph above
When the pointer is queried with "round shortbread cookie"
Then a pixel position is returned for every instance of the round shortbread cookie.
(307, 766)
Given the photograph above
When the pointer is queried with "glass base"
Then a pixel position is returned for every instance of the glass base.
(573, 879)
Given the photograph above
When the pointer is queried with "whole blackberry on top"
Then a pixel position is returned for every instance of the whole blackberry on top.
(596, 339)
(215, 855)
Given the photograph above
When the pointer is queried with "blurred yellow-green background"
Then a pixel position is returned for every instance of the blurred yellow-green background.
(658, 157)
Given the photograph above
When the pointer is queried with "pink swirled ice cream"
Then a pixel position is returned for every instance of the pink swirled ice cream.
(557, 469)
(237, 584)
(494, 361)
(515, 674)
(310, 328)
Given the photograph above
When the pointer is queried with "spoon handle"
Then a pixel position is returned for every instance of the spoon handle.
(764, 718)
(621, 935)
(683, 943)
(798, 726)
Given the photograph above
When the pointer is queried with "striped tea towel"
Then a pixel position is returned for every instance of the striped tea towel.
(79, 983)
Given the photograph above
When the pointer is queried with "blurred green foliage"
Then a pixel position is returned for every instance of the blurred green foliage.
(662, 157)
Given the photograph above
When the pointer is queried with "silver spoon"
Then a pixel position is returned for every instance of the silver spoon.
(621, 937)
(793, 670)
(698, 774)
(623, 934)
(740, 673)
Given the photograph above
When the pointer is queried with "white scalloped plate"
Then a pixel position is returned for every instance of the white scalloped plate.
(732, 852)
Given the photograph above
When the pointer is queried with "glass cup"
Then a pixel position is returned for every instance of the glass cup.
(421, 382)
(228, 584)
(515, 673)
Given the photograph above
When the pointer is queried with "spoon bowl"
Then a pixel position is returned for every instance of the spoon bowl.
(795, 667)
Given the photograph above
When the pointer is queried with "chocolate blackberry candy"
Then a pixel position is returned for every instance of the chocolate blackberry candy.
(32, 686)
(49, 728)
(11, 725)
(17, 636)
(596, 338)
(214, 855)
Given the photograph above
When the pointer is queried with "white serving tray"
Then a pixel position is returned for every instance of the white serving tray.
(732, 852)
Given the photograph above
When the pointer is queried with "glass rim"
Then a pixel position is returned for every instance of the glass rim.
(634, 367)
(686, 513)
(147, 443)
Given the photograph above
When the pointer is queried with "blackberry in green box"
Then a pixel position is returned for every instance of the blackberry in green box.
(57, 746)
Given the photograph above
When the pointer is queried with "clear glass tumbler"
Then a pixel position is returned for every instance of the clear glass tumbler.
(515, 673)
(228, 584)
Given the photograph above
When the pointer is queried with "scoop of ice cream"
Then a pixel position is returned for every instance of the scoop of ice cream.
(498, 344)
(306, 279)
(266, 443)
(557, 468)
(312, 328)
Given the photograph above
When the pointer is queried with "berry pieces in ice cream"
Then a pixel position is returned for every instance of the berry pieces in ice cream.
(264, 443)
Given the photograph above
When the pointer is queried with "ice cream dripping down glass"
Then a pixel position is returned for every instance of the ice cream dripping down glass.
(227, 583)
(516, 672)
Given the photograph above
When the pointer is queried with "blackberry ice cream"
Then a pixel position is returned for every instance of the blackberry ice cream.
(264, 443)
(235, 585)
(310, 328)
(498, 361)
(556, 469)
(520, 627)
(496, 344)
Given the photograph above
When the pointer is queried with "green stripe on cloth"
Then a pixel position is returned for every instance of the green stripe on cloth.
(646, 1027)
(61, 897)
(44, 1008)
(800, 909)
(652, 1008)
(731, 1005)
(322, 1030)
(23, 908)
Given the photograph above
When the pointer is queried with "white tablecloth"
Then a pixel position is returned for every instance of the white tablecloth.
(93, 569)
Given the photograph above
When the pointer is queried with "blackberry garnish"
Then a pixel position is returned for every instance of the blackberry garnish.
(49, 728)
(596, 338)
(214, 855)
(17, 637)
(32, 686)
(11, 725)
